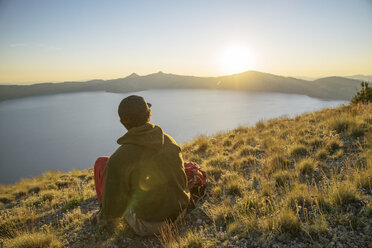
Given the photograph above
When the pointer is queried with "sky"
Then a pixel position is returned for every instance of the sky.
(77, 40)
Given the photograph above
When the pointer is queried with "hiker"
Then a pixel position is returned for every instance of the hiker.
(144, 180)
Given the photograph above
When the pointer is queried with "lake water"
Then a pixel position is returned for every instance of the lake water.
(70, 131)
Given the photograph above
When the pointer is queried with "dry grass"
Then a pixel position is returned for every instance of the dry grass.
(302, 178)
(35, 240)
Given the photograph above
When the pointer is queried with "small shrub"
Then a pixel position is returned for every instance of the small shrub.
(364, 95)
(298, 151)
(36, 240)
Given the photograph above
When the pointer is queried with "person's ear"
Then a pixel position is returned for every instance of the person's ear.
(148, 119)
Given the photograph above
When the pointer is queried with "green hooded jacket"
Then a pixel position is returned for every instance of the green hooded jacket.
(145, 174)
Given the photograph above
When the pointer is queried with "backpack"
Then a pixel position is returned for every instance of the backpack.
(196, 179)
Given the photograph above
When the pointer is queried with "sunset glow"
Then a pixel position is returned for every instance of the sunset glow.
(236, 59)
(41, 43)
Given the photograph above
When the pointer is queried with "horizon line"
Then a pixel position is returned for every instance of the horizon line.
(161, 72)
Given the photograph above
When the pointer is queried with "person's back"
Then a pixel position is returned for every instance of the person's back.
(144, 178)
(145, 174)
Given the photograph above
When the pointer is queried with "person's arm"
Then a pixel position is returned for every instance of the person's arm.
(116, 189)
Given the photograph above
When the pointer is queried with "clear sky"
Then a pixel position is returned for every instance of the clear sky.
(61, 40)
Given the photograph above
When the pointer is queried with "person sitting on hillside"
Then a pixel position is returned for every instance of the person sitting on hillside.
(144, 180)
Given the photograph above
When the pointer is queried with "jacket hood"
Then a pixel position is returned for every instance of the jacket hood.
(147, 135)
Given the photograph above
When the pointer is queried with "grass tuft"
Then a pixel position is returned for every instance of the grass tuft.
(298, 151)
(332, 146)
(34, 190)
(282, 178)
(339, 125)
(34, 240)
(278, 162)
(357, 132)
(202, 144)
(73, 203)
(227, 142)
(322, 154)
(306, 166)
(364, 179)
(233, 184)
(238, 144)
(288, 222)
(342, 193)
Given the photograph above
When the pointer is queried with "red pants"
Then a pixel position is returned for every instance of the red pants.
(99, 175)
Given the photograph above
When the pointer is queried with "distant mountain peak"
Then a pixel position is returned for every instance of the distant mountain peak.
(133, 75)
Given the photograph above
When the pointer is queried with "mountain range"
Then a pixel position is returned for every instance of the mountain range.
(335, 88)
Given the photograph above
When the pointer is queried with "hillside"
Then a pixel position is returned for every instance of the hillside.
(300, 182)
(367, 78)
(252, 81)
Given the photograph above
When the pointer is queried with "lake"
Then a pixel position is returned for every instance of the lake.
(67, 131)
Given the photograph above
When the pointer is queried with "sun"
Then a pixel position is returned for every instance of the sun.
(236, 59)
